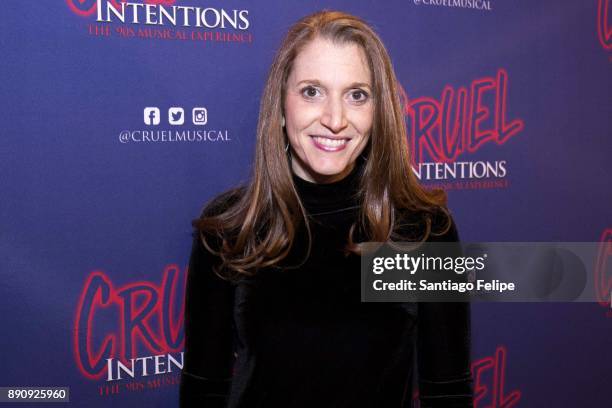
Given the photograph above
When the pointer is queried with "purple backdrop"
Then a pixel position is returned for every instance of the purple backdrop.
(511, 99)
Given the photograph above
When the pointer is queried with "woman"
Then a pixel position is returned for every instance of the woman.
(274, 278)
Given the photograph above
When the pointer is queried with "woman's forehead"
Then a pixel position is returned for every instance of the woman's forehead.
(329, 62)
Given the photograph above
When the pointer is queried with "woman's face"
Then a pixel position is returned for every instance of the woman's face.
(328, 110)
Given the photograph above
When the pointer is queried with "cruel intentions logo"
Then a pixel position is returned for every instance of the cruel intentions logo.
(441, 132)
(603, 271)
(604, 28)
(131, 333)
(490, 388)
(163, 19)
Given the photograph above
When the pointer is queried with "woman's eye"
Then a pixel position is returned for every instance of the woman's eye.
(310, 91)
(359, 96)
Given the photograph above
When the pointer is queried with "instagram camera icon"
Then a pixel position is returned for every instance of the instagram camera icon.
(199, 116)
(151, 116)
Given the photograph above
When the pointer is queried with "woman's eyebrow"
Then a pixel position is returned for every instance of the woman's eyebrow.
(319, 83)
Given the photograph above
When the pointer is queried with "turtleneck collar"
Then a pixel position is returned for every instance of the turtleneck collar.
(341, 194)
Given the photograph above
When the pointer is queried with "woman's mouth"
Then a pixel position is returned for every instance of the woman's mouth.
(329, 145)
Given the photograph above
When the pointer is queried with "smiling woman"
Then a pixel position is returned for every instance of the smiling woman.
(273, 316)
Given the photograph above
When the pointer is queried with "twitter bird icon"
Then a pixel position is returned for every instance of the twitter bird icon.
(176, 116)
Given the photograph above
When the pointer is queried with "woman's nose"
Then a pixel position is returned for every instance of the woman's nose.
(334, 116)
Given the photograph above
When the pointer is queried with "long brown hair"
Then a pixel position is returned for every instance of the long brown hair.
(255, 226)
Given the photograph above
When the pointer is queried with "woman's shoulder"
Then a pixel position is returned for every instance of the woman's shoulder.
(442, 226)
(222, 202)
(212, 208)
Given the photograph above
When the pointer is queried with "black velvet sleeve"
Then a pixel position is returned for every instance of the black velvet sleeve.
(208, 358)
(443, 349)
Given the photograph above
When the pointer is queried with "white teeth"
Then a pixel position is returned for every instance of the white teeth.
(330, 142)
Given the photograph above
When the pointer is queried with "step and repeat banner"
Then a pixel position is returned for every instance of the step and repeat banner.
(120, 121)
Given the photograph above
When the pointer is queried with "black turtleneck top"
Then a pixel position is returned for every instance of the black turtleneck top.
(301, 337)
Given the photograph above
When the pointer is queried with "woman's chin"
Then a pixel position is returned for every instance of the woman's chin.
(329, 173)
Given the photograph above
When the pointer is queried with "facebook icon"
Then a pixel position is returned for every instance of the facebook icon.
(151, 116)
